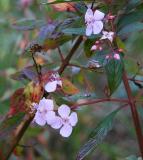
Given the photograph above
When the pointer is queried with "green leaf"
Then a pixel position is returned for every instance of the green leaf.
(76, 97)
(114, 70)
(28, 24)
(87, 47)
(120, 43)
(132, 158)
(76, 31)
(134, 27)
(133, 4)
(8, 125)
(130, 18)
(98, 135)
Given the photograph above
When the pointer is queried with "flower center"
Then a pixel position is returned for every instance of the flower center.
(65, 120)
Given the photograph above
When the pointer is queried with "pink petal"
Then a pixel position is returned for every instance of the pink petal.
(59, 82)
(98, 15)
(39, 119)
(73, 119)
(50, 116)
(46, 104)
(51, 86)
(64, 111)
(88, 15)
(56, 123)
(93, 48)
(97, 27)
(116, 56)
(89, 29)
(110, 39)
(66, 130)
(111, 33)
(105, 33)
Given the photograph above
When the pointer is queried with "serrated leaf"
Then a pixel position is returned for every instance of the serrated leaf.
(114, 71)
(9, 125)
(28, 24)
(97, 135)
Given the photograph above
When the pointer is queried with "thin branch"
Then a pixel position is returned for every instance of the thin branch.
(18, 137)
(69, 56)
(92, 5)
(37, 69)
(135, 115)
(75, 106)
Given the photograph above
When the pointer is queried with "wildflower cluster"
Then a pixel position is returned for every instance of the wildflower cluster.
(57, 119)
(95, 25)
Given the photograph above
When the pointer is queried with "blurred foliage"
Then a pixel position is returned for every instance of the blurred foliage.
(44, 143)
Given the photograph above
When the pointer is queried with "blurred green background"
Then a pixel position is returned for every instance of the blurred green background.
(45, 143)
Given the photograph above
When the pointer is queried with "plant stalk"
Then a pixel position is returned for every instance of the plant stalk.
(134, 112)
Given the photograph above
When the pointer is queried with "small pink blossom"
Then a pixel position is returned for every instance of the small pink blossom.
(110, 17)
(53, 82)
(96, 46)
(25, 3)
(94, 64)
(93, 21)
(108, 35)
(116, 56)
(65, 121)
(45, 113)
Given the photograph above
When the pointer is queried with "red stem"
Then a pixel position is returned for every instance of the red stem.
(75, 106)
(135, 115)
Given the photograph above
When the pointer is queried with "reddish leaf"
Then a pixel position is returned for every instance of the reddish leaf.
(17, 102)
(68, 87)
(63, 6)
(22, 99)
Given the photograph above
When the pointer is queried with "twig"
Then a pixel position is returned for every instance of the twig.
(69, 56)
(60, 53)
(37, 69)
(92, 5)
(75, 106)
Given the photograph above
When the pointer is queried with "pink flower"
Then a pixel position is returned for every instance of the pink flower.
(110, 17)
(25, 3)
(96, 46)
(108, 35)
(53, 83)
(45, 113)
(65, 121)
(116, 56)
(93, 21)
